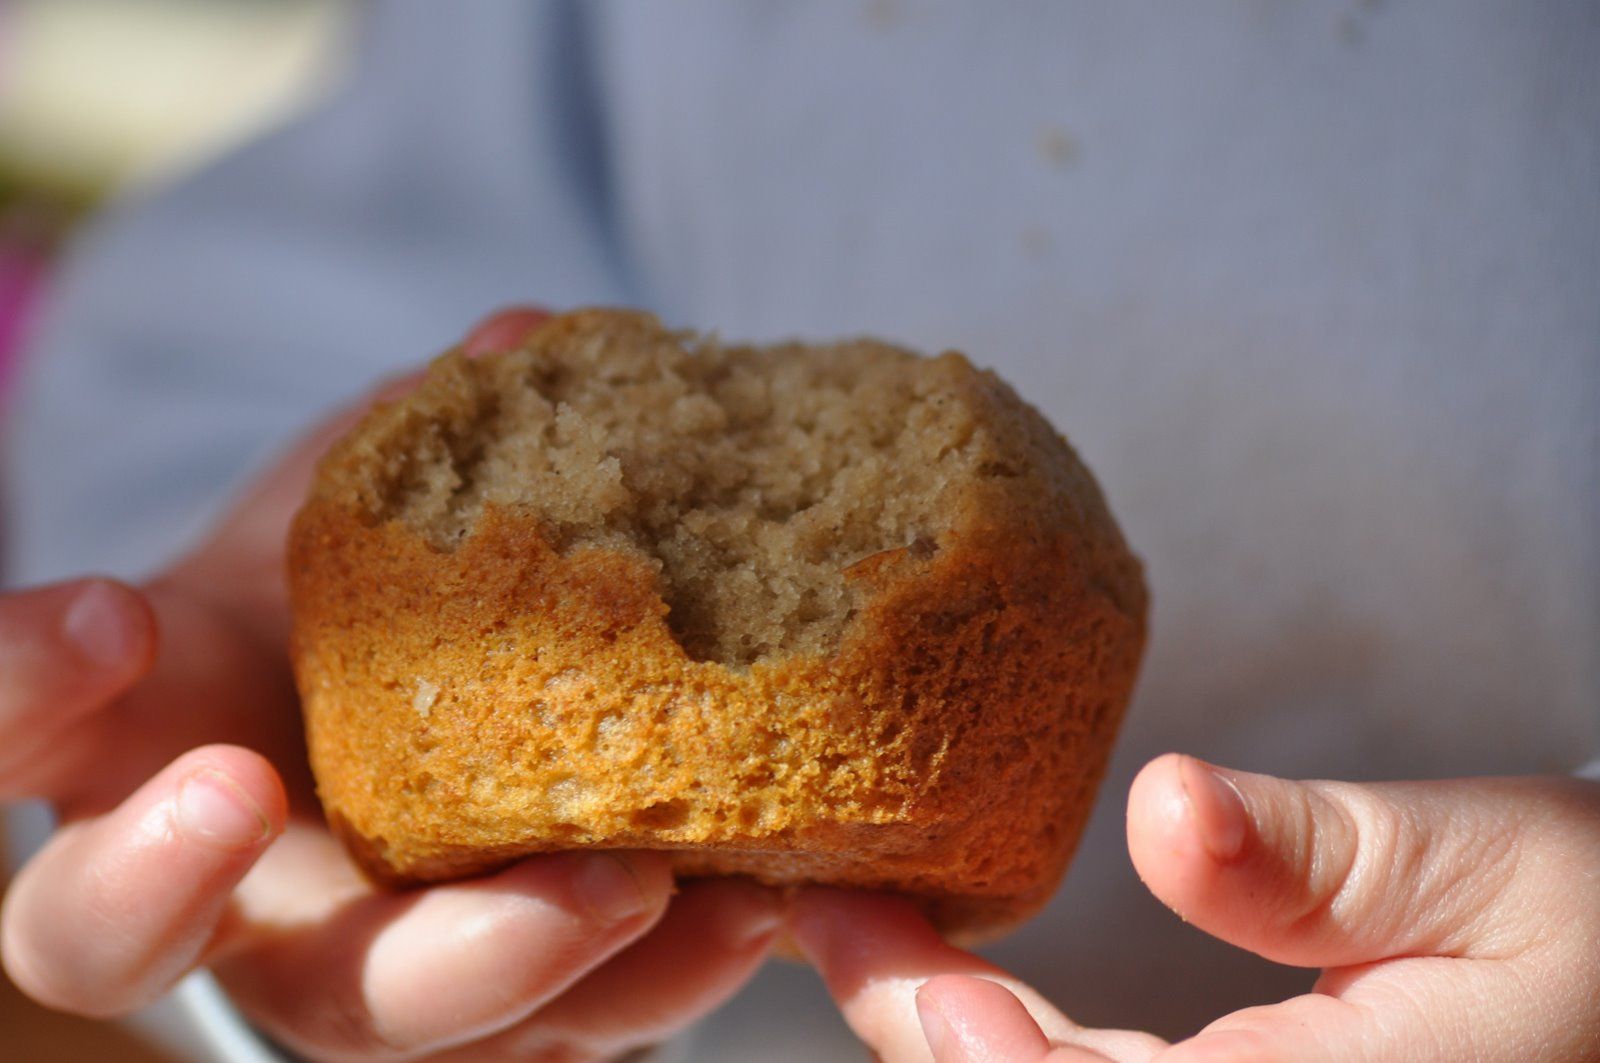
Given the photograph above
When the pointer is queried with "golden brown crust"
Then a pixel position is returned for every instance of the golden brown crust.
(465, 707)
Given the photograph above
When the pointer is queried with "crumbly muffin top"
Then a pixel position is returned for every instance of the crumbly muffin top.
(753, 478)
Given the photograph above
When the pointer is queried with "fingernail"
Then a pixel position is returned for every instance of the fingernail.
(609, 888)
(213, 809)
(1219, 812)
(97, 625)
(934, 1026)
(753, 917)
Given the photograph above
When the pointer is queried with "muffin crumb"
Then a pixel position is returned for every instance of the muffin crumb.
(423, 701)
(752, 479)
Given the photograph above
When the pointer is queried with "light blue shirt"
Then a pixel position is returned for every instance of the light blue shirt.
(1314, 288)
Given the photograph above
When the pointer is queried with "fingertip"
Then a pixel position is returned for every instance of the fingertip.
(618, 887)
(1155, 784)
(395, 387)
(740, 914)
(503, 330)
(1188, 827)
(115, 909)
(1216, 809)
(942, 986)
(1159, 825)
(970, 1018)
(598, 889)
(230, 797)
(827, 922)
(758, 926)
(942, 991)
(110, 626)
(935, 1027)
(68, 651)
(653, 871)
(856, 939)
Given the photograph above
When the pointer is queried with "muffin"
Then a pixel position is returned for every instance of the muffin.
(829, 614)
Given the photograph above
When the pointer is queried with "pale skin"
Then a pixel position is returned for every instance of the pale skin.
(1452, 920)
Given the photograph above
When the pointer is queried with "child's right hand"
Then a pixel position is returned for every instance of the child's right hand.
(1453, 919)
(162, 724)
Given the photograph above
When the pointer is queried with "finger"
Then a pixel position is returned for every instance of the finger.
(66, 651)
(1430, 1008)
(975, 1020)
(222, 673)
(390, 975)
(209, 684)
(715, 935)
(1533, 1002)
(113, 911)
(1442, 1008)
(1326, 874)
(503, 330)
(1306, 1029)
(874, 951)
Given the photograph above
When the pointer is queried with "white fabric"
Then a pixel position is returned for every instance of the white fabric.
(220, 1031)
(1311, 287)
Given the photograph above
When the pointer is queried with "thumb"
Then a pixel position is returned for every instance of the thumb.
(1328, 874)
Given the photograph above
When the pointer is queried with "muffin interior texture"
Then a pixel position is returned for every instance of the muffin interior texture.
(751, 478)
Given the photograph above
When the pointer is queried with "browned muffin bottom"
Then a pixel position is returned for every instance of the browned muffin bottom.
(834, 613)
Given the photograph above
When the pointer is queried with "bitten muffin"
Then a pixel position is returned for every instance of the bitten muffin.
(831, 614)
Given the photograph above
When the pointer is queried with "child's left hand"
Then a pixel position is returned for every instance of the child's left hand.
(1454, 920)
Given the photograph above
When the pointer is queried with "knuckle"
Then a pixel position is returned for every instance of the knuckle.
(1378, 856)
(1355, 844)
(1387, 846)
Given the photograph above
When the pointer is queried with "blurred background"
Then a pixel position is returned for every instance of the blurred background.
(1347, 429)
(99, 98)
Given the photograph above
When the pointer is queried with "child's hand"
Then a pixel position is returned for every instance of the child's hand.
(1455, 921)
(163, 725)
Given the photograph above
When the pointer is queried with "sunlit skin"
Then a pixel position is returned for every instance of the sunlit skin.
(1453, 920)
